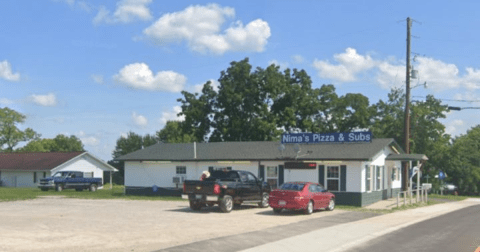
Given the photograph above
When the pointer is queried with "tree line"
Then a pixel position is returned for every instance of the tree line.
(259, 104)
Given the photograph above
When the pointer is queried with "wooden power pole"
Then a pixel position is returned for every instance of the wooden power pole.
(407, 110)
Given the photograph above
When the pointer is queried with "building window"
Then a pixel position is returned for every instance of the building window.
(272, 176)
(181, 170)
(88, 175)
(34, 177)
(395, 172)
(333, 178)
(368, 178)
(379, 177)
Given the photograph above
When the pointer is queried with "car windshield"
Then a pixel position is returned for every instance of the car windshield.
(292, 186)
(60, 174)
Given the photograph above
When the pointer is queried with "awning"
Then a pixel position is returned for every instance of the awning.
(407, 157)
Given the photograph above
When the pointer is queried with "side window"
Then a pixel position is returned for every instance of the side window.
(243, 177)
(251, 178)
(312, 188)
(320, 188)
(79, 174)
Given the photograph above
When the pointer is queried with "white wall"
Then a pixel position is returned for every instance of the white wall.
(20, 178)
(84, 163)
(379, 159)
(147, 174)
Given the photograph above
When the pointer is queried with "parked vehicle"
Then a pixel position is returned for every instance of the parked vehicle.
(304, 196)
(69, 179)
(226, 188)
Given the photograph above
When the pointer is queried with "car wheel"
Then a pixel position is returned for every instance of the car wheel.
(59, 188)
(226, 204)
(78, 189)
(277, 210)
(44, 189)
(93, 188)
(309, 209)
(264, 202)
(195, 206)
(331, 205)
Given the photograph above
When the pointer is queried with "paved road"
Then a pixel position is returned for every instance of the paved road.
(456, 231)
(256, 238)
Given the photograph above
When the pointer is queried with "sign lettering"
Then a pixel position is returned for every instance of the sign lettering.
(346, 137)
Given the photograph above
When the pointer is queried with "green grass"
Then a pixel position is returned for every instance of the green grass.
(12, 194)
(447, 197)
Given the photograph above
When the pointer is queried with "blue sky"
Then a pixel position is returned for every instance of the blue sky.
(99, 69)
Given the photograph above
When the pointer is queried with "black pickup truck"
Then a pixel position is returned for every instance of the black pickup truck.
(226, 188)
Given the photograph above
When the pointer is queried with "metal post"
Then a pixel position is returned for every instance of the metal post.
(398, 199)
(404, 198)
(111, 182)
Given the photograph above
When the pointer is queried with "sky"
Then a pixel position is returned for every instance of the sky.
(99, 69)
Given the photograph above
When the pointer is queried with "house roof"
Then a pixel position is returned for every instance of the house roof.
(35, 161)
(407, 157)
(267, 150)
(42, 161)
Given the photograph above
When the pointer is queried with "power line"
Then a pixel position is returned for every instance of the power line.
(455, 100)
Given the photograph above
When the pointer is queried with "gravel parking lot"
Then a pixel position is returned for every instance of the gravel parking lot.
(64, 224)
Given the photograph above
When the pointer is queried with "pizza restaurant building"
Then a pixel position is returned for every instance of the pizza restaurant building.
(358, 169)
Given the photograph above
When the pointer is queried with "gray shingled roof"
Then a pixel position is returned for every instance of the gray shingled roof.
(406, 157)
(258, 151)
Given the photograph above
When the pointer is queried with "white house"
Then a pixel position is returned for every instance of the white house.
(358, 173)
(19, 169)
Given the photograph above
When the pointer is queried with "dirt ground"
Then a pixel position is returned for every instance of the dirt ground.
(63, 224)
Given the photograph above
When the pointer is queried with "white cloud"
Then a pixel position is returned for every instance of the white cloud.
(5, 101)
(278, 63)
(452, 127)
(297, 59)
(127, 11)
(97, 78)
(198, 88)
(48, 100)
(139, 120)
(6, 72)
(139, 76)
(172, 116)
(200, 27)
(351, 66)
(88, 140)
(82, 5)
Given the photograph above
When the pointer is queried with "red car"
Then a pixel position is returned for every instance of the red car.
(306, 196)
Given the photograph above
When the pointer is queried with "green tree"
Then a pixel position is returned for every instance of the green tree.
(132, 142)
(463, 162)
(10, 134)
(60, 143)
(173, 132)
(198, 112)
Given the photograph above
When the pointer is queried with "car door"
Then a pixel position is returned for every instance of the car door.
(255, 190)
(311, 194)
(323, 196)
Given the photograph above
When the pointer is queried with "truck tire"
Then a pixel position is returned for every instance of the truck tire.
(93, 188)
(264, 202)
(195, 206)
(226, 204)
(59, 187)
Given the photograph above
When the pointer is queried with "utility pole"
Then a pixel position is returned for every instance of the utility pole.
(407, 109)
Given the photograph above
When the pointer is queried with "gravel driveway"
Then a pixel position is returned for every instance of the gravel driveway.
(64, 224)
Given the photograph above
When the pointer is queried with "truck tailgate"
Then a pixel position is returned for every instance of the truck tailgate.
(199, 187)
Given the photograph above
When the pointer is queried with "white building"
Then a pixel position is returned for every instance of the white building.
(25, 169)
(358, 173)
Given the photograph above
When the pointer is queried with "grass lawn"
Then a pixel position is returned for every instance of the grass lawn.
(11, 194)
